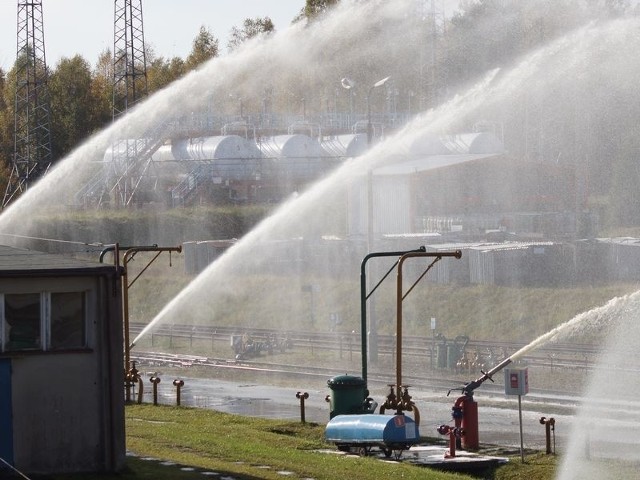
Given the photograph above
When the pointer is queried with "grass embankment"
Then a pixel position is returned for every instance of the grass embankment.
(251, 448)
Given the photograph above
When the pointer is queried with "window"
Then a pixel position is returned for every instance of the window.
(43, 321)
(67, 320)
(22, 321)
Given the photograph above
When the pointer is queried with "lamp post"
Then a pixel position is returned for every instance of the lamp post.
(379, 83)
(348, 84)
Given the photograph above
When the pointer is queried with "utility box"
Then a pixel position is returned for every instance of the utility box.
(516, 381)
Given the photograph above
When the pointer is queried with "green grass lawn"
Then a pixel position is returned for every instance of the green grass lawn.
(164, 440)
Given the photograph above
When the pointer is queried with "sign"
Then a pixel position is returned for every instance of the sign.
(433, 323)
(516, 381)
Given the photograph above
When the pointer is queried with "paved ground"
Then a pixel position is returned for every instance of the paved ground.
(498, 414)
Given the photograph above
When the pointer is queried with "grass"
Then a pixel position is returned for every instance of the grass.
(249, 448)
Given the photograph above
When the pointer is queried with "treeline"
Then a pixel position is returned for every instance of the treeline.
(429, 62)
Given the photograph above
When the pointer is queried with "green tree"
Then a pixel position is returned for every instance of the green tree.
(6, 132)
(161, 72)
(315, 8)
(205, 47)
(71, 104)
(251, 27)
(101, 113)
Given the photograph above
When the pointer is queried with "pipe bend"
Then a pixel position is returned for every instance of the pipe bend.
(416, 414)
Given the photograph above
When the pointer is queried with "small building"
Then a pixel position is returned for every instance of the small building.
(61, 364)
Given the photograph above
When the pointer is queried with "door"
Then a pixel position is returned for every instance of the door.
(6, 417)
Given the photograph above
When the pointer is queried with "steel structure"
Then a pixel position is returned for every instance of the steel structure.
(129, 60)
(131, 158)
(430, 14)
(32, 137)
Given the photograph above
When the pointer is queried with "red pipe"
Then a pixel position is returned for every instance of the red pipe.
(465, 415)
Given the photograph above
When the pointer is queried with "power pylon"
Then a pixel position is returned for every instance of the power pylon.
(32, 137)
(130, 157)
(129, 60)
(431, 15)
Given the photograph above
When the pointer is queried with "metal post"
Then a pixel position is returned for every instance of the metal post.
(178, 384)
(302, 397)
(521, 439)
(155, 381)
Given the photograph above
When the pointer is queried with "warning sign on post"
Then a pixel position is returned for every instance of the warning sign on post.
(516, 381)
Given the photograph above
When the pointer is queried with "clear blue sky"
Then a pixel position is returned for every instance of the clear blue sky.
(85, 27)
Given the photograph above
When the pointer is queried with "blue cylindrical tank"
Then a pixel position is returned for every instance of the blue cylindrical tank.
(390, 431)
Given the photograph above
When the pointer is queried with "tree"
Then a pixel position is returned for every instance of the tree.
(101, 113)
(71, 103)
(315, 8)
(6, 132)
(251, 27)
(162, 72)
(205, 47)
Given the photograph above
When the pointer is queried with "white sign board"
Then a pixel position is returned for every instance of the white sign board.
(516, 381)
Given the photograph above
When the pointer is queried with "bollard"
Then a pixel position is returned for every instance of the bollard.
(302, 397)
(155, 380)
(549, 426)
(178, 384)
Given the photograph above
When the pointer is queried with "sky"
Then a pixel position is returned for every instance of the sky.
(85, 27)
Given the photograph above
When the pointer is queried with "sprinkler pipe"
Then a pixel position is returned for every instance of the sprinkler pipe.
(454, 434)
(155, 381)
(549, 426)
(129, 254)
(364, 296)
(178, 383)
(302, 397)
(437, 256)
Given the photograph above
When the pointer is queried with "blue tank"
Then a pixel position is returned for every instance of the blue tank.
(389, 432)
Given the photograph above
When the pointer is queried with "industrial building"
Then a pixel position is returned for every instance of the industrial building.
(61, 364)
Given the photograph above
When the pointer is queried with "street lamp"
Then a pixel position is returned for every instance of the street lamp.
(348, 84)
(379, 83)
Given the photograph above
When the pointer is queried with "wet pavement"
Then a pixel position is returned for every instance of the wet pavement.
(498, 414)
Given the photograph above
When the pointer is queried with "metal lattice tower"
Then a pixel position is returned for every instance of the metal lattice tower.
(431, 14)
(129, 157)
(129, 61)
(32, 137)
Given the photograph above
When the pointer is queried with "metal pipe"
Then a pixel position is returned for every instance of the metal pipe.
(549, 426)
(128, 255)
(364, 297)
(178, 383)
(155, 381)
(400, 298)
(468, 388)
(302, 397)
(114, 248)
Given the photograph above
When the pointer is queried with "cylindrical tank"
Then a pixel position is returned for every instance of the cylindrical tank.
(348, 394)
(392, 431)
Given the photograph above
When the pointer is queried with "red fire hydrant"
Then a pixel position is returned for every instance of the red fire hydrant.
(465, 416)
(454, 436)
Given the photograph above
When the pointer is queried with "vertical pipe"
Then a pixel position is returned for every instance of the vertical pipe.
(399, 327)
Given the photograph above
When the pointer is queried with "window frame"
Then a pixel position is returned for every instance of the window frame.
(45, 322)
